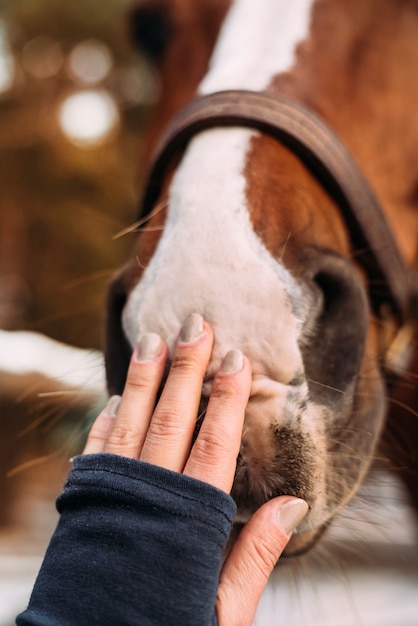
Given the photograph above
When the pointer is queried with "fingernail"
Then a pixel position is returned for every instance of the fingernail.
(112, 406)
(149, 347)
(233, 362)
(192, 329)
(291, 513)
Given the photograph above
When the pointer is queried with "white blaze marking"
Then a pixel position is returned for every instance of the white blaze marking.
(209, 260)
(257, 41)
(208, 244)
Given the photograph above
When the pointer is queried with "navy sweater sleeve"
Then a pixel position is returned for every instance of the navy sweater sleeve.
(135, 544)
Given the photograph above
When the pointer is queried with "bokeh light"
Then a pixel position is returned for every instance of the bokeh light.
(90, 62)
(136, 86)
(42, 57)
(88, 118)
(7, 65)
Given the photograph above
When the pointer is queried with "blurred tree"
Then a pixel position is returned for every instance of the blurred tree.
(61, 203)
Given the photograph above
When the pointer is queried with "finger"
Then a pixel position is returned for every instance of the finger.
(102, 425)
(170, 433)
(139, 396)
(214, 454)
(253, 557)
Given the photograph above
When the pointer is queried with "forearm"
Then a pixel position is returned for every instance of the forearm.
(135, 544)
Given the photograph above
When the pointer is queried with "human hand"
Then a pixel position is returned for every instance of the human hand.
(134, 427)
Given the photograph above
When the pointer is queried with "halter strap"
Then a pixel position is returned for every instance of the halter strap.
(326, 157)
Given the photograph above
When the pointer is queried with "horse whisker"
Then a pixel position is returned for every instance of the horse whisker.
(284, 246)
(134, 227)
(316, 382)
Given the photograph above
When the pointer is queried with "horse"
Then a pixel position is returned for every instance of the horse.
(282, 205)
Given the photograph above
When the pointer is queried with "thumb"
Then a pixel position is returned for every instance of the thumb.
(253, 557)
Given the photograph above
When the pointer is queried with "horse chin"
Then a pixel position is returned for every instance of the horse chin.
(299, 544)
(302, 542)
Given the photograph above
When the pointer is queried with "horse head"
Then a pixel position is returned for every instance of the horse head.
(242, 229)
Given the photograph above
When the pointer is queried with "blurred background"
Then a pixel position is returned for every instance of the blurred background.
(74, 101)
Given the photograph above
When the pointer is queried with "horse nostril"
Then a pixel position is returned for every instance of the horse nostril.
(336, 349)
(342, 292)
(332, 290)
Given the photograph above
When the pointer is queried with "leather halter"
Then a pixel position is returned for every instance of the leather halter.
(326, 157)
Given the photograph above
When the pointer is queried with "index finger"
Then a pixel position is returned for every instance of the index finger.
(214, 454)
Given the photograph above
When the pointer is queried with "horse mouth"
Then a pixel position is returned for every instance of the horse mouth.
(288, 467)
(252, 489)
(302, 542)
(299, 544)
